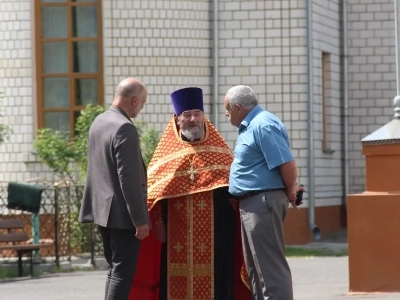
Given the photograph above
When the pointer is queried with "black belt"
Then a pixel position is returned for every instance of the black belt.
(253, 193)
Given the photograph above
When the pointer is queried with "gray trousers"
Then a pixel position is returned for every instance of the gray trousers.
(262, 219)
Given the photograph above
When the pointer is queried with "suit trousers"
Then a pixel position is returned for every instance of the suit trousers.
(121, 250)
(262, 217)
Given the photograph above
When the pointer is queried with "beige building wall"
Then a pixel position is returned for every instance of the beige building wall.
(372, 76)
(17, 84)
(328, 164)
(166, 44)
(263, 45)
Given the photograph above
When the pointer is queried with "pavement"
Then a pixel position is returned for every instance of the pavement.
(326, 278)
(318, 278)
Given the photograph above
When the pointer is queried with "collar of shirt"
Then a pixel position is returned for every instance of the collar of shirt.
(253, 112)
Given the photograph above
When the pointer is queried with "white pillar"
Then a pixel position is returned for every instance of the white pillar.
(397, 22)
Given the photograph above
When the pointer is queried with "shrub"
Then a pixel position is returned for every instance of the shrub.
(5, 130)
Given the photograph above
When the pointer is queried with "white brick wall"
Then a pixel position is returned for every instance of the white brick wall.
(263, 45)
(166, 44)
(328, 166)
(372, 76)
(17, 82)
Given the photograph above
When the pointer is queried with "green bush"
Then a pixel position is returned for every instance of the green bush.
(67, 158)
(149, 138)
(57, 152)
(5, 132)
(82, 127)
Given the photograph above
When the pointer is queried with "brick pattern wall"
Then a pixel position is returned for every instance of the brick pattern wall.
(327, 38)
(17, 83)
(263, 45)
(372, 76)
(166, 44)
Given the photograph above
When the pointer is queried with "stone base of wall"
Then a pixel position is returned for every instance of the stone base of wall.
(329, 219)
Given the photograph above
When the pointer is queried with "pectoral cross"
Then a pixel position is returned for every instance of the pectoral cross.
(192, 171)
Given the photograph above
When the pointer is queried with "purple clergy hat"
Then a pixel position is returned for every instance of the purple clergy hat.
(186, 99)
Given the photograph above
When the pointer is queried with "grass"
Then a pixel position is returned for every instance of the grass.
(80, 269)
(7, 273)
(302, 252)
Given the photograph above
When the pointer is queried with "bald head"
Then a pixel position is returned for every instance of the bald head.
(130, 96)
(128, 88)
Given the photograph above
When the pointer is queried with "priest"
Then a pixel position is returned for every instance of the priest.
(194, 251)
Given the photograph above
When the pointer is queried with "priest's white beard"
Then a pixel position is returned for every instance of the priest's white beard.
(193, 133)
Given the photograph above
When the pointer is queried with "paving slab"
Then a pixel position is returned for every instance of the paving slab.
(326, 278)
(318, 278)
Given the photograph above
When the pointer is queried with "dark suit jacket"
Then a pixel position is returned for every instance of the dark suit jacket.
(115, 194)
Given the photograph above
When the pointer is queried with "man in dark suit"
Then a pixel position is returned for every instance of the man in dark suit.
(115, 195)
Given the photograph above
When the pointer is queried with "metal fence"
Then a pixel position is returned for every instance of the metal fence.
(56, 223)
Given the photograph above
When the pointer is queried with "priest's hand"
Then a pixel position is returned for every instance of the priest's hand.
(160, 232)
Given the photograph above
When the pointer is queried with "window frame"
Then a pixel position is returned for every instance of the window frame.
(73, 108)
(326, 95)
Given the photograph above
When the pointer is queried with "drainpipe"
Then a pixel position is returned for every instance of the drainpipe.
(345, 103)
(214, 100)
(310, 130)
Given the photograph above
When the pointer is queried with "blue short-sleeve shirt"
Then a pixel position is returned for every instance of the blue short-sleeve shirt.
(262, 146)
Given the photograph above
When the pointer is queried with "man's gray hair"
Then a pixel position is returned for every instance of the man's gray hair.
(242, 95)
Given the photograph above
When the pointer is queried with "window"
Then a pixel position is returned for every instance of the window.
(68, 60)
(326, 102)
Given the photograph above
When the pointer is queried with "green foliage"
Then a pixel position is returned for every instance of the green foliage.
(149, 138)
(59, 153)
(6, 273)
(56, 151)
(5, 130)
(82, 127)
(10, 273)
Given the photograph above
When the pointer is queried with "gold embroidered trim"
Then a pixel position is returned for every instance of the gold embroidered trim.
(184, 173)
(198, 270)
(187, 151)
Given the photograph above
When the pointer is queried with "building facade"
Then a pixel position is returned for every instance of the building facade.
(326, 68)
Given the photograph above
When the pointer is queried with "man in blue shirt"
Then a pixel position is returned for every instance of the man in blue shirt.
(263, 178)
